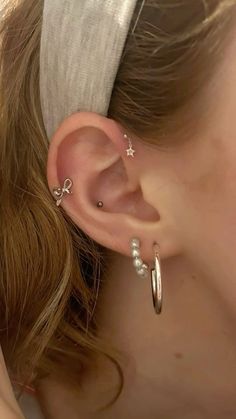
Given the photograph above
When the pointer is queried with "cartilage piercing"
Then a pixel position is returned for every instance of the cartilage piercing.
(130, 151)
(60, 192)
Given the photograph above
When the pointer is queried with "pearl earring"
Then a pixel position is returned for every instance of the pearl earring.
(142, 270)
(140, 266)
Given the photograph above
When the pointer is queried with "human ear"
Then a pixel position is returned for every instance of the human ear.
(90, 149)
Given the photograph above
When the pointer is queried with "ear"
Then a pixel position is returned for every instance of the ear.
(91, 150)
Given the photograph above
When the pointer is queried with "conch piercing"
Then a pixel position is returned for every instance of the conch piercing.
(60, 192)
(99, 204)
(130, 151)
(142, 271)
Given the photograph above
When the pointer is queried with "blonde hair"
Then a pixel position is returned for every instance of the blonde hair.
(50, 271)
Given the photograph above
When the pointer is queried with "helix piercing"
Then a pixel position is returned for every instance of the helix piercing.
(60, 192)
(130, 151)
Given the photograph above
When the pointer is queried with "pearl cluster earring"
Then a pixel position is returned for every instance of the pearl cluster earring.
(140, 266)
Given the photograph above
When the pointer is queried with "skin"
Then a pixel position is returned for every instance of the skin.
(9, 408)
(182, 363)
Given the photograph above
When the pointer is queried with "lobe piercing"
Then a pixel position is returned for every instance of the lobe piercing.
(142, 271)
(130, 151)
(140, 266)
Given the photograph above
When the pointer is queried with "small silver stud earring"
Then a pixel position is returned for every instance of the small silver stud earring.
(60, 192)
(130, 151)
(100, 204)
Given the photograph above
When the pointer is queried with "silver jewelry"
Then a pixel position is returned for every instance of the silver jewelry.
(60, 192)
(100, 204)
(130, 151)
(140, 266)
(142, 270)
(156, 281)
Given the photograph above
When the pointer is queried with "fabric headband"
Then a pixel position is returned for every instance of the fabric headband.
(81, 47)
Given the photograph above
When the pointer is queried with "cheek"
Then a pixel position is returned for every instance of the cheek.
(212, 202)
(208, 184)
(209, 227)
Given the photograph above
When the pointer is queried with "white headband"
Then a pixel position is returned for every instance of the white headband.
(81, 46)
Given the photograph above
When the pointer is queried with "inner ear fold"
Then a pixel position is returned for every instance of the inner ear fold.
(121, 200)
(108, 178)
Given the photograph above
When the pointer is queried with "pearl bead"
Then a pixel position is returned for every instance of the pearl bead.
(137, 262)
(135, 242)
(135, 252)
(142, 272)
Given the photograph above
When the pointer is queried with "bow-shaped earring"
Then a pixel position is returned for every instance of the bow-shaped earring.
(60, 192)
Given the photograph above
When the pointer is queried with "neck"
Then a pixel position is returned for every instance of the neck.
(178, 364)
(184, 348)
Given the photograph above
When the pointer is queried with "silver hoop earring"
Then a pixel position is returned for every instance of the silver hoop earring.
(60, 192)
(156, 281)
